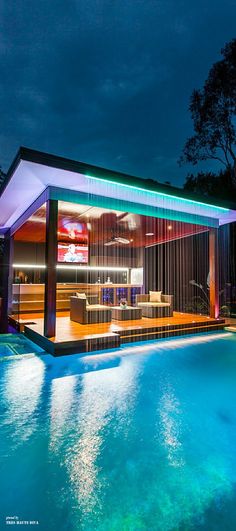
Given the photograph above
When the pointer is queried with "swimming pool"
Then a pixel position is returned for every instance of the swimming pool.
(141, 438)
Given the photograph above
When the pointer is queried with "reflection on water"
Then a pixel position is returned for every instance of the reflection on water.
(171, 425)
(21, 392)
(63, 396)
(134, 439)
(103, 395)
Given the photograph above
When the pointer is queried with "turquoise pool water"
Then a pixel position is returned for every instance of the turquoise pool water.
(142, 438)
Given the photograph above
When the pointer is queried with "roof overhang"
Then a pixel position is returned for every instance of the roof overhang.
(33, 173)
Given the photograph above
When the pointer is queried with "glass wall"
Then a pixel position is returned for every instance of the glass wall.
(29, 267)
(111, 255)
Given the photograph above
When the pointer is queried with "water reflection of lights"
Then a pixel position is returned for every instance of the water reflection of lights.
(170, 417)
(23, 386)
(168, 344)
(62, 400)
(108, 359)
(102, 394)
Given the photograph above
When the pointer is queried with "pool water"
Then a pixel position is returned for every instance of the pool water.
(15, 345)
(139, 438)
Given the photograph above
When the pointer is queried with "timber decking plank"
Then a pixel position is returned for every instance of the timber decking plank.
(74, 337)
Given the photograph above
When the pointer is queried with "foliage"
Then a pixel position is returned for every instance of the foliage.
(199, 302)
(197, 305)
(213, 111)
(212, 185)
(2, 176)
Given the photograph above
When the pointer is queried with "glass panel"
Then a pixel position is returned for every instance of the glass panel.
(122, 294)
(108, 296)
(125, 254)
(29, 268)
(134, 292)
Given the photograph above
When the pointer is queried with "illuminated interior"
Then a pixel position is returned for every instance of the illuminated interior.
(110, 254)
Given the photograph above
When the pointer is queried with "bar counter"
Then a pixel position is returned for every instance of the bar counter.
(30, 297)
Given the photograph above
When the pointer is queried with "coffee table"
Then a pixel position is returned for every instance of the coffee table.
(126, 314)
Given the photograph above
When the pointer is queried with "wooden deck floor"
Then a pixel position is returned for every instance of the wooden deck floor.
(74, 337)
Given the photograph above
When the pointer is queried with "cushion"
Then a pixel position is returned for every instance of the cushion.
(155, 296)
(154, 304)
(99, 307)
(81, 295)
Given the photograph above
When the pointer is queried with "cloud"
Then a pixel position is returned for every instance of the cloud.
(106, 82)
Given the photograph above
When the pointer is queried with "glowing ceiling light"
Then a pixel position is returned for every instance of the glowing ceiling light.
(149, 233)
(92, 268)
(37, 219)
(29, 266)
(77, 267)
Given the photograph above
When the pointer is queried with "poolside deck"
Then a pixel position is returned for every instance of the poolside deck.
(73, 337)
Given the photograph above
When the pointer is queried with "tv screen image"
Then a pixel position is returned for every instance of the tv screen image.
(72, 253)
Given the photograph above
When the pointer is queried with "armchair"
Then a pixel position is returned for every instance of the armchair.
(82, 313)
(164, 308)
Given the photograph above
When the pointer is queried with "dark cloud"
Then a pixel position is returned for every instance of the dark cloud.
(107, 81)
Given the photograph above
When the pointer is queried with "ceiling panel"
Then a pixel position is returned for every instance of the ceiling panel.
(103, 224)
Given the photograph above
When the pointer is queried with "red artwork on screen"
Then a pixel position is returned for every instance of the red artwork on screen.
(73, 247)
(72, 253)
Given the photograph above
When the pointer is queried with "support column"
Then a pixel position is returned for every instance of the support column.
(6, 281)
(214, 272)
(50, 272)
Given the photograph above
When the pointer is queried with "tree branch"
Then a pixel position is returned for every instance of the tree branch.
(211, 156)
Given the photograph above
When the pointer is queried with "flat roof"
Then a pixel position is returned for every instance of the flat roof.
(32, 172)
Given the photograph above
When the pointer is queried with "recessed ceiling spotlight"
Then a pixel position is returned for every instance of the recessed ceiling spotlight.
(169, 227)
(131, 240)
(149, 233)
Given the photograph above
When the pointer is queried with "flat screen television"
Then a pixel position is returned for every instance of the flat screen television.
(72, 253)
(73, 240)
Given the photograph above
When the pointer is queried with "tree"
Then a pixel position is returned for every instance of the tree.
(2, 176)
(210, 184)
(219, 186)
(213, 111)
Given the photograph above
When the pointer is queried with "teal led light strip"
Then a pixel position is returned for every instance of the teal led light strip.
(158, 193)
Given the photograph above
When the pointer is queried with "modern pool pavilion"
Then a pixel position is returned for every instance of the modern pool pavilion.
(94, 258)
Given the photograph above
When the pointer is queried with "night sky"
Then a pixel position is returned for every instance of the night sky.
(107, 82)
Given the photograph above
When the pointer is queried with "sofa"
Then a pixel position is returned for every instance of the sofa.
(155, 306)
(84, 313)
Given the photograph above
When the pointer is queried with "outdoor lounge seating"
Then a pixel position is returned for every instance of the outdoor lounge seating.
(84, 313)
(159, 306)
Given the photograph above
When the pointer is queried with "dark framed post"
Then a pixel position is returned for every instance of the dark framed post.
(214, 272)
(6, 280)
(50, 272)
